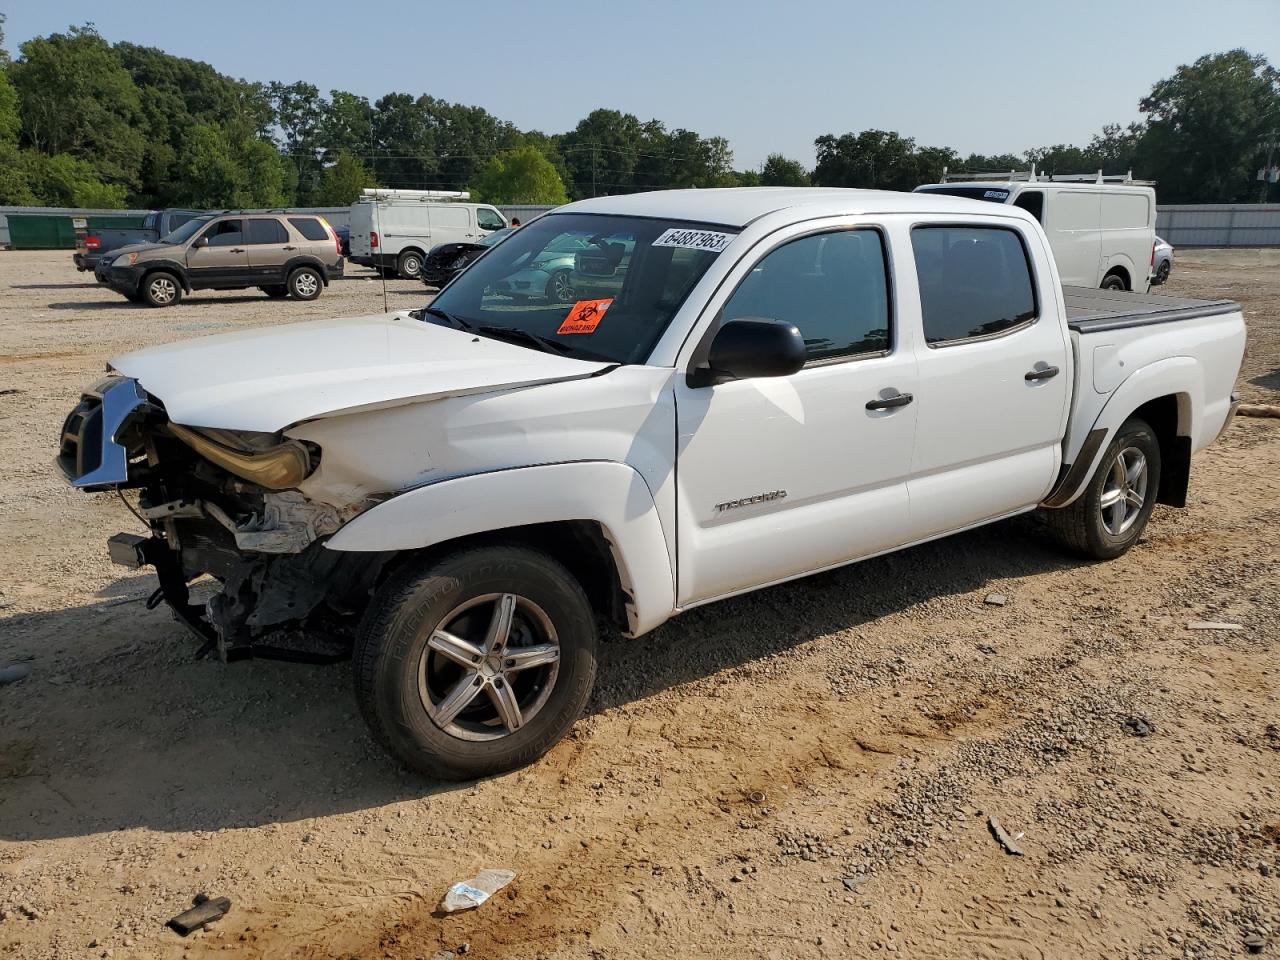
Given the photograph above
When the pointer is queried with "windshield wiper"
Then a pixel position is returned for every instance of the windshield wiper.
(460, 322)
(525, 337)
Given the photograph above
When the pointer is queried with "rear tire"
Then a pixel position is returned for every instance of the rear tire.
(1113, 281)
(449, 712)
(1109, 517)
(305, 283)
(161, 289)
(409, 265)
(1162, 271)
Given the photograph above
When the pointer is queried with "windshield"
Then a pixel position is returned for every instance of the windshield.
(594, 287)
(491, 239)
(990, 194)
(186, 231)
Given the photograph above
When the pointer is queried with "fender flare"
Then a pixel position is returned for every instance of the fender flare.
(608, 493)
(179, 270)
(1180, 377)
(293, 263)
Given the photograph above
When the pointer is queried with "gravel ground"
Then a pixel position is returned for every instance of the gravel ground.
(804, 772)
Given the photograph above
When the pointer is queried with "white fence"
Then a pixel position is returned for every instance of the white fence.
(1220, 224)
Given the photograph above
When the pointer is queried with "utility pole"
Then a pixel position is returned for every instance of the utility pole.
(593, 168)
(1267, 168)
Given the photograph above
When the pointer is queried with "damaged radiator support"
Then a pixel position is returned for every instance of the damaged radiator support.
(261, 596)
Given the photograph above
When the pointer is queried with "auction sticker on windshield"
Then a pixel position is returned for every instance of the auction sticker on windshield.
(694, 240)
(584, 317)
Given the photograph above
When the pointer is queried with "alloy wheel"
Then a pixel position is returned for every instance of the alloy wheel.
(1125, 492)
(489, 667)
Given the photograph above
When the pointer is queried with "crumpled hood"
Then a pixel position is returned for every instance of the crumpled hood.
(272, 377)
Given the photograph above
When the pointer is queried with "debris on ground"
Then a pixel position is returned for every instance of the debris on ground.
(1255, 943)
(1009, 843)
(995, 600)
(1138, 727)
(1259, 410)
(469, 894)
(13, 673)
(1212, 625)
(853, 883)
(206, 910)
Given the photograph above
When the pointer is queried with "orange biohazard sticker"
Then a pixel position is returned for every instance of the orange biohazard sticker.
(584, 317)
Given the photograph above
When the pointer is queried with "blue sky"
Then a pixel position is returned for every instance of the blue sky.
(988, 77)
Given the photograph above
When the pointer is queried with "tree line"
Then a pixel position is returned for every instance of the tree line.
(84, 122)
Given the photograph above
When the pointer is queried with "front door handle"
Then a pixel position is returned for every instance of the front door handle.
(237, 250)
(291, 247)
(901, 400)
(1048, 373)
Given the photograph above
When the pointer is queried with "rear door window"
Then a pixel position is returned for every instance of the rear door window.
(267, 231)
(975, 282)
(309, 227)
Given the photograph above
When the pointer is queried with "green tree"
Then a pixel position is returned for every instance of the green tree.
(66, 181)
(522, 175)
(220, 169)
(15, 186)
(779, 171)
(76, 98)
(341, 182)
(1207, 125)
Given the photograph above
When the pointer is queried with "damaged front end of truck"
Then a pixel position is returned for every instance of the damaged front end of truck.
(225, 505)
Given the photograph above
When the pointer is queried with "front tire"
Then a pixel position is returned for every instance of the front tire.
(1109, 517)
(409, 265)
(475, 663)
(161, 289)
(1162, 271)
(560, 287)
(305, 283)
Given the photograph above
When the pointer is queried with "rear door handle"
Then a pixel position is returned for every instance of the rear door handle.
(237, 250)
(901, 400)
(291, 248)
(1048, 373)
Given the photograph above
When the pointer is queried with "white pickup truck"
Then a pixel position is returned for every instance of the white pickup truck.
(745, 386)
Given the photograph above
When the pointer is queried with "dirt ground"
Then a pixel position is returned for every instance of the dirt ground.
(805, 772)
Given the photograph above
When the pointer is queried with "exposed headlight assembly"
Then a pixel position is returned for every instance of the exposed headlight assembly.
(261, 458)
(125, 260)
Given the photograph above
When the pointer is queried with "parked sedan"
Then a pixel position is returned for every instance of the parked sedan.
(447, 260)
(1161, 261)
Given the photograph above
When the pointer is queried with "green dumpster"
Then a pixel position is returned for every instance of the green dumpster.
(41, 231)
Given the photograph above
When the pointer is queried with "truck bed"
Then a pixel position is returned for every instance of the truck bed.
(1094, 311)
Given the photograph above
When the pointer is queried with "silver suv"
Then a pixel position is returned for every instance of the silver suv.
(282, 254)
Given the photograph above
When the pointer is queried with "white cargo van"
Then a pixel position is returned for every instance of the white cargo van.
(1102, 230)
(394, 230)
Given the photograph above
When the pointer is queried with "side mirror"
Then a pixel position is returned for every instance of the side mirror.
(751, 347)
(201, 242)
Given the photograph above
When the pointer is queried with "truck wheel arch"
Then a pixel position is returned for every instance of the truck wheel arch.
(1168, 395)
(546, 504)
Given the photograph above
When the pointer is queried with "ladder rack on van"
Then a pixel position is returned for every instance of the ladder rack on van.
(423, 196)
(1030, 176)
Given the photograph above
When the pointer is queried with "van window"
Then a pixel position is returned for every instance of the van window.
(1074, 210)
(449, 217)
(309, 227)
(267, 231)
(974, 282)
(489, 219)
(1125, 211)
(832, 286)
(1032, 201)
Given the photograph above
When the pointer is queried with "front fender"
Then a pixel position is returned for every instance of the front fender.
(611, 494)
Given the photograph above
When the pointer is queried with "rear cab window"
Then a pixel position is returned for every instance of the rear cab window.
(975, 282)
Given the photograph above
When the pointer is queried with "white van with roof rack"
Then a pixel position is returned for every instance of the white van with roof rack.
(394, 230)
(1101, 229)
